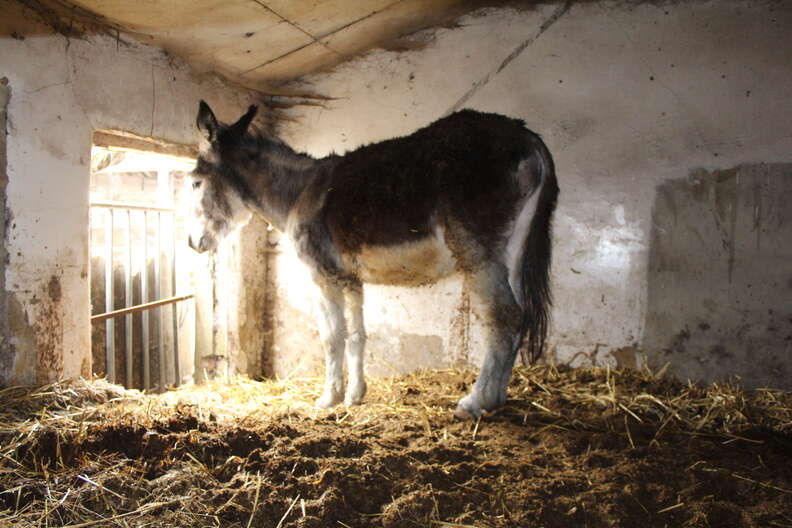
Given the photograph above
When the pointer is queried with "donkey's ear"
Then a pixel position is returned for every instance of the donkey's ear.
(241, 126)
(207, 122)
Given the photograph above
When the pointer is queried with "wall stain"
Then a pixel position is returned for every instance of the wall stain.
(54, 289)
(6, 353)
(34, 351)
(20, 346)
(720, 352)
(726, 183)
(718, 275)
(459, 338)
(626, 357)
(48, 328)
(757, 213)
(678, 342)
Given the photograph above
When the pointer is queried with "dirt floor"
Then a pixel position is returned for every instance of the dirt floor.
(573, 448)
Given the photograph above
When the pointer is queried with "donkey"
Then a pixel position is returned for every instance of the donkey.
(472, 193)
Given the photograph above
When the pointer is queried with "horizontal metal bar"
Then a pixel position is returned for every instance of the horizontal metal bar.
(139, 308)
(132, 205)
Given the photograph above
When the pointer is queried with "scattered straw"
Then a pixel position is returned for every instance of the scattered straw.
(288, 511)
(255, 501)
(46, 481)
(670, 508)
(140, 511)
(453, 525)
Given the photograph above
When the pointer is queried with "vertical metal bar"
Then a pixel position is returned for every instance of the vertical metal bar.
(128, 295)
(164, 196)
(144, 284)
(159, 310)
(109, 298)
(174, 308)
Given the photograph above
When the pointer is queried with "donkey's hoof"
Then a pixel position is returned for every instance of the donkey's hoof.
(475, 404)
(463, 414)
(354, 395)
(330, 398)
(351, 402)
(468, 408)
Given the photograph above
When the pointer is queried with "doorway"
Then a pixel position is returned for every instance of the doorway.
(141, 271)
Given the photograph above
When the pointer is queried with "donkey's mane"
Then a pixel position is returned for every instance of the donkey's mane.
(262, 154)
(275, 152)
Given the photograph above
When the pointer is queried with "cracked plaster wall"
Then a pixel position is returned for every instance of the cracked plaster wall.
(627, 98)
(63, 90)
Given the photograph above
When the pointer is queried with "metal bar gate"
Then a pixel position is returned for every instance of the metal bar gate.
(122, 211)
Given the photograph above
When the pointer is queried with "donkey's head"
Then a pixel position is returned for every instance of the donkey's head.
(220, 195)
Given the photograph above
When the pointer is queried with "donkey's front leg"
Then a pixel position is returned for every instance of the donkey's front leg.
(501, 318)
(355, 346)
(332, 331)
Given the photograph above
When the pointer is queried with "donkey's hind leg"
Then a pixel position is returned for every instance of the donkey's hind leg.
(501, 316)
(332, 331)
(355, 345)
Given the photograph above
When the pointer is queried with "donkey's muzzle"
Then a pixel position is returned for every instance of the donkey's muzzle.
(203, 244)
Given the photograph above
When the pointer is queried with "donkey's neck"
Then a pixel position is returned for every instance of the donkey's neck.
(281, 174)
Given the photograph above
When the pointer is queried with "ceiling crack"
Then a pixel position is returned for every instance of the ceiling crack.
(291, 23)
(315, 40)
(361, 19)
(279, 57)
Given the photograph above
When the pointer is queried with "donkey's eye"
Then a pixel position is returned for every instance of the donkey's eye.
(196, 184)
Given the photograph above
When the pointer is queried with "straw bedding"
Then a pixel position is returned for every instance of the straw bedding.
(585, 447)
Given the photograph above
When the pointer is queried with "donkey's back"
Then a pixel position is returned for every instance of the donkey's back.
(461, 168)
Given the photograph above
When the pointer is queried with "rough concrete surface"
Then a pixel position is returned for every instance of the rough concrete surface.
(627, 97)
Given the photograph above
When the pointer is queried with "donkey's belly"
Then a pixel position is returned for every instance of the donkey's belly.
(409, 264)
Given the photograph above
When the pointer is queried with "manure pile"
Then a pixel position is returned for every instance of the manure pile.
(573, 448)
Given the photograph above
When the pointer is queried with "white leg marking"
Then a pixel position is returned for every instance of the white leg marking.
(355, 348)
(515, 244)
(332, 330)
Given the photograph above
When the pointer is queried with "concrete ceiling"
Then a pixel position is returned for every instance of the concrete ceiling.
(264, 43)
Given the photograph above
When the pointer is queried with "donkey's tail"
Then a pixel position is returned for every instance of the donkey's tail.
(536, 256)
